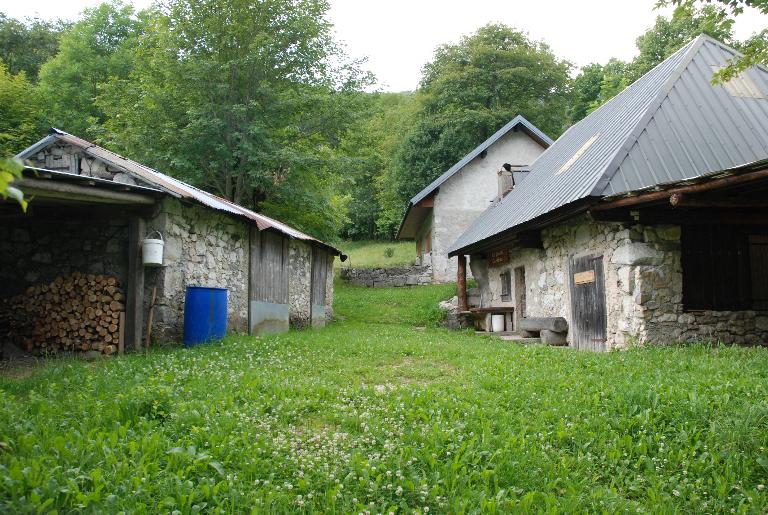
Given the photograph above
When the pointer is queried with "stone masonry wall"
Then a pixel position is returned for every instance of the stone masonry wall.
(202, 248)
(300, 284)
(34, 251)
(388, 277)
(643, 285)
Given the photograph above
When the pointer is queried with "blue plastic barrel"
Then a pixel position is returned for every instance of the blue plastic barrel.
(205, 315)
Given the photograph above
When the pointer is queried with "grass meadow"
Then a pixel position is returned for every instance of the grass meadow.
(372, 254)
(381, 412)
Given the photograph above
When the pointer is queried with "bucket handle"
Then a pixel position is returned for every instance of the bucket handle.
(155, 231)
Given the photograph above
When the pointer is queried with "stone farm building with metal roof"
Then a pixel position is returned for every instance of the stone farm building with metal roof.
(92, 208)
(647, 221)
(439, 213)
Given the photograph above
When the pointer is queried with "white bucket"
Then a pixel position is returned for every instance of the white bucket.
(152, 250)
(497, 323)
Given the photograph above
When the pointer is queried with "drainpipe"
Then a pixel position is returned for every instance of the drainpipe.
(462, 282)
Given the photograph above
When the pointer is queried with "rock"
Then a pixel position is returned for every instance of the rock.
(636, 254)
(552, 338)
(92, 355)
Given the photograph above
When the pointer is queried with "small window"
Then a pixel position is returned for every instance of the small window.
(506, 286)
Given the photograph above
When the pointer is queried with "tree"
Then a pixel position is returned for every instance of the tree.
(249, 100)
(755, 49)
(20, 123)
(668, 35)
(26, 45)
(95, 50)
(656, 44)
(367, 163)
(470, 90)
(585, 91)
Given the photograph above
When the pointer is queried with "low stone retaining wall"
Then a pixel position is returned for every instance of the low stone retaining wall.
(388, 277)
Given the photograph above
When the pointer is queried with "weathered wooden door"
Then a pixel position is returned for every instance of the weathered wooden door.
(519, 295)
(319, 281)
(588, 314)
(268, 289)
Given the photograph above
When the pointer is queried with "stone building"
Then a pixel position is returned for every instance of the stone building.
(92, 208)
(647, 220)
(439, 213)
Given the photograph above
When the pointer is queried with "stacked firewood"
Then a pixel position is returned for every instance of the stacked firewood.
(76, 312)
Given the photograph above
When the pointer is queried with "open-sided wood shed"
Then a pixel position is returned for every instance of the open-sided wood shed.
(91, 209)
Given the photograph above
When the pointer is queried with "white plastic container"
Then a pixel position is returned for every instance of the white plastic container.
(152, 250)
(497, 323)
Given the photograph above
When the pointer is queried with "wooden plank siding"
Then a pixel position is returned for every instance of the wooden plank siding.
(319, 281)
(269, 267)
(588, 313)
(268, 289)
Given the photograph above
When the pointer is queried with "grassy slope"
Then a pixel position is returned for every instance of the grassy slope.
(370, 254)
(367, 411)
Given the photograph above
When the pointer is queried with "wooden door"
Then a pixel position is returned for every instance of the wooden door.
(319, 281)
(268, 289)
(588, 314)
(519, 295)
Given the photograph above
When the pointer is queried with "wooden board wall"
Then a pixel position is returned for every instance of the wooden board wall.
(269, 267)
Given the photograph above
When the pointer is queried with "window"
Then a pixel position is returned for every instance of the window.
(725, 268)
(506, 286)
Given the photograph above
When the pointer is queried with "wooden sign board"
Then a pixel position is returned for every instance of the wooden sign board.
(584, 277)
(498, 257)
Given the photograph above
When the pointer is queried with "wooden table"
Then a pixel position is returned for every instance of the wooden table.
(507, 311)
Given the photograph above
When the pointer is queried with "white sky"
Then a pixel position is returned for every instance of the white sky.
(399, 36)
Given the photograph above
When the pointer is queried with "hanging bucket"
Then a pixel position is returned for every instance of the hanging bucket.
(152, 250)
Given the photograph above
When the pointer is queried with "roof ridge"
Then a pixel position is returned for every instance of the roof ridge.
(689, 51)
(490, 140)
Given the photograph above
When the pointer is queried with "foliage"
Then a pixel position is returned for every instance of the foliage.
(471, 89)
(265, 98)
(367, 165)
(659, 42)
(755, 49)
(11, 169)
(20, 123)
(372, 254)
(371, 414)
(26, 45)
(96, 49)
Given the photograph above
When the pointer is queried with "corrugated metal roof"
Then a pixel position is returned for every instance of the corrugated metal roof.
(517, 122)
(671, 124)
(170, 185)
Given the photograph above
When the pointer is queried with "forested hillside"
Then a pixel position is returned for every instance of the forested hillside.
(261, 104)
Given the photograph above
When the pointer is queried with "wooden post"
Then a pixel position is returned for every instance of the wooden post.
(462, 282)
(134, 302)
(121, 335)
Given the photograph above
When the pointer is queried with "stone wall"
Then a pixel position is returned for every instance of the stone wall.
(202, 248)
(388, 277)
(34, 251)
(300, 284)
(643, 285)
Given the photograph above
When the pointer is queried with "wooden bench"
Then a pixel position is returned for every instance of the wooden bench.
(485, 313)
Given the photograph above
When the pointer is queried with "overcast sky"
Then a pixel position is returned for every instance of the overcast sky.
(399, 36)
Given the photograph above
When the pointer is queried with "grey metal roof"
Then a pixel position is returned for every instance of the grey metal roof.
(170, 185)
(671, 124)
(516, 122)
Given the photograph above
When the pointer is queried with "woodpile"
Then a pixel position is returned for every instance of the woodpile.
(75, 312)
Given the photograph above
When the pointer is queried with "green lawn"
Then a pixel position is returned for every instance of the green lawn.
(376, 414)
(373, 254)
